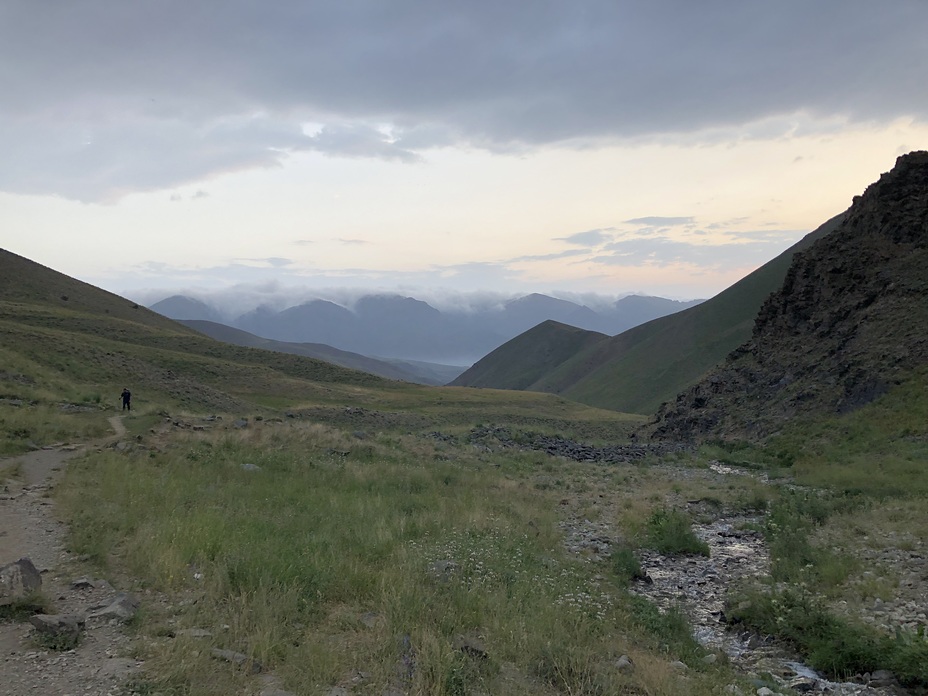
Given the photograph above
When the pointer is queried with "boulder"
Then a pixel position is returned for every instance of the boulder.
(18, 580)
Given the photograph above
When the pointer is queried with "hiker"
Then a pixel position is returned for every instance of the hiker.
(126, 395)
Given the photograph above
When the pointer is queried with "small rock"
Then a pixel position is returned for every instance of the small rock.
(623, 663)
(710, 659)
(442, 570)
(123, 607)
(86, 583)
(882, 677)
(251, 467)
(679, 666)
(238, 659)
(764, 691)
(18, 580)
(64, 629)
(471, 646)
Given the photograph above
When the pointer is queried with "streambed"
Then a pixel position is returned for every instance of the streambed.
(698, 585)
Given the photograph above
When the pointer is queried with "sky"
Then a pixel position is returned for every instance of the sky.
(581, 148)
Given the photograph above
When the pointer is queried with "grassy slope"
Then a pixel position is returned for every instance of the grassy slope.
(84, 349)
(519, 363)
(641, 368)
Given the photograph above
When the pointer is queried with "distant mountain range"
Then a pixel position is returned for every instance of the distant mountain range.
(394, 327)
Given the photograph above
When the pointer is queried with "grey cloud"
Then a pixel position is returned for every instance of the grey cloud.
(588, 238)
(353, 241)
(359, 140)
(657, 221)
(551, 257)
(108, 159)
(105, 96)
(663, 251)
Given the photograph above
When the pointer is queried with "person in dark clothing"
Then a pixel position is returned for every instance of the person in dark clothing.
(126, 396)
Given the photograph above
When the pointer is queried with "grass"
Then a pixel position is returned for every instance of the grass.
(670, 532)
(27, 427)
(291, 557)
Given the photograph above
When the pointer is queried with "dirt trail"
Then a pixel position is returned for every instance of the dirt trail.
(30, 528)
(117, 426)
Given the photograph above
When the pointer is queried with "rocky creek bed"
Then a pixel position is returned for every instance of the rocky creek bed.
(698, 585)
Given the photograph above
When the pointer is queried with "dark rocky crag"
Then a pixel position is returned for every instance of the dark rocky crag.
(850, 322)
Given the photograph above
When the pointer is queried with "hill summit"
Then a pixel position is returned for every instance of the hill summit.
(849, 323)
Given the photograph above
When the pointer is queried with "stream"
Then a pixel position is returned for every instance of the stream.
(698, 585)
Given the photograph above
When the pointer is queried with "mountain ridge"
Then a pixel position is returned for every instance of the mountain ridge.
(847, 325)
(391, 326)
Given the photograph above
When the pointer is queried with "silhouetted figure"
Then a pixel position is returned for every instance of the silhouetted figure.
(126, 396)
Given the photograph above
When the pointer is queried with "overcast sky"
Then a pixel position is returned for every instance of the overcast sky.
(665, 147)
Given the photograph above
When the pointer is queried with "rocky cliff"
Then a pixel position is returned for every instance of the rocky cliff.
(850, 322)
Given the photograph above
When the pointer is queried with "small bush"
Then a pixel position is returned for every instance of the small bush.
(669, 532)
(625, 565)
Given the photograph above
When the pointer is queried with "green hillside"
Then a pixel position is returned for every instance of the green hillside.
(639, 369)
(521, 362)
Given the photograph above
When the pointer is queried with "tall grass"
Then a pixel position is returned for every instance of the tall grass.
(321, 563)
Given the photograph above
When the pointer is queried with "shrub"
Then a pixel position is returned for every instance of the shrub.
(669, 532)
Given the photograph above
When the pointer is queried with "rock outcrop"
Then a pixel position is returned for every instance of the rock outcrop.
(850, 322)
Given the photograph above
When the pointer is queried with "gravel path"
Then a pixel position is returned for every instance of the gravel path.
(101, 662)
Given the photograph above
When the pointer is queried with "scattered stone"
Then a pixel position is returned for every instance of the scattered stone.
(882, 677)
(710, 659)
(270, 686)
(123, 607)
(369, 618)
(471, 646)
(764, 691)
(251, 467)
(63, 630)
(238, 659)
(240, 423)
(18, 580)
(86, 583)
(337, 691)
(624, 663)
(802, 685)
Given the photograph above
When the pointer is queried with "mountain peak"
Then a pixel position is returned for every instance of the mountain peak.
(848, 323)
